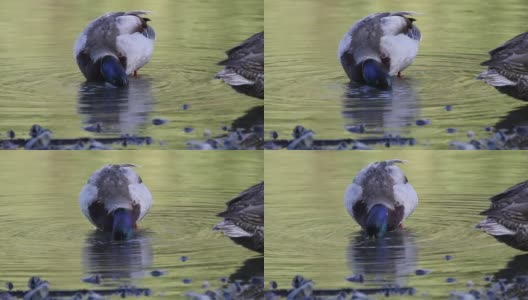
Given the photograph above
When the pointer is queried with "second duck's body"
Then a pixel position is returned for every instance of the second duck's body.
(244, 67)
(378, 47)
(115, 199)
(508, 68)
(114, 46)
(380, 198)
(507, 217)
(244, 218)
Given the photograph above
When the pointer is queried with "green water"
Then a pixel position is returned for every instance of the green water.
(41, 82)
(306, 84)
(45, 234)
(308, 231)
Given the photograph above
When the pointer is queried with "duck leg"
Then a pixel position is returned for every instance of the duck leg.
(136, 73)
(401, 225)
(400, 75)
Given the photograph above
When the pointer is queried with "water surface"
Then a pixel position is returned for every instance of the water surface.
(41, 82)
(307, 86)
(46, 235)
(309, 232)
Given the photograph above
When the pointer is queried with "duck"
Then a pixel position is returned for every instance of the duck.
(507, 217)
(244, 218)
(115, 199)
(380, 198)
(378, 47)
(508, 68)
(114, 46)
(244, 67)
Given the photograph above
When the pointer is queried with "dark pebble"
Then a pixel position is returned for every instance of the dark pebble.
(451, 130)
(412, 142)
(147, 293)
(35, 130)
(9, 286)
(488, 129)
(94, 279)
(448, 257)
(297, 281)
(450, 280)
(223, 279)
(184, 258)
(448, 107)
(356, 278)
(423, 122)
(421, 272)
(185, 106)
(298, 131)
(224, 128)
(158, 121)
(470, 134)
(487, 278)
(188, 129)
(157, 273)
(11, 134)
(186, 280)
(274, 135)
(273, 285)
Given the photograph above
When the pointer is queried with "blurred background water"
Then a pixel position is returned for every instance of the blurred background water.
(42, 84)
(309, 232)
(307, 86)
(46, 235)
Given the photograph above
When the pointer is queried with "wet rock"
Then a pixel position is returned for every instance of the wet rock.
(273, 285)
(450, 280)
(187, 280)
(157, 273)
(356, 129)
(455, 295)
(39, 292)
(11, 134)
(421, 272)
(188, 129)
(185, 106)
(97, 127)
(94, 279)
(359, 278)
(9, 286)
(159, 122)
(184, 258)
(423, 122)
(470, 134)
(451, 130)
(448, 107)
(448, 257)
(41, 139)
(274, 135)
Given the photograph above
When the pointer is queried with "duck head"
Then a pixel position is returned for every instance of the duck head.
(123, 225)
(376, 225)
(113, 72)
(375, 74)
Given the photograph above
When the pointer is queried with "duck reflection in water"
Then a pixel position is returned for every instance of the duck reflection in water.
(389, 260)
(381, 112)
(117, 110)
(251, 268)
(117, 261)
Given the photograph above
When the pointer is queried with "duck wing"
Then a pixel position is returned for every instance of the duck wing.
(510, 205)
(247, 207)
(252, 45)
(512, 56)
